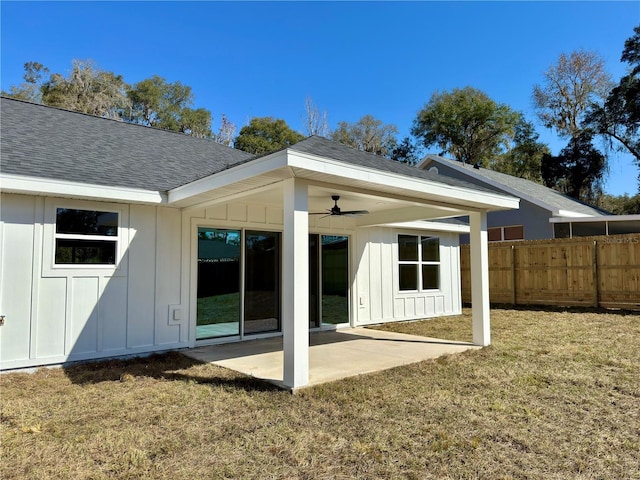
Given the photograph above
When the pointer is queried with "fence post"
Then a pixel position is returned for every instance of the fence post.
(513, 274)
(594, 260)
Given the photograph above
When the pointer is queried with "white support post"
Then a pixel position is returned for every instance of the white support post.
(295, 284)
(480, 279)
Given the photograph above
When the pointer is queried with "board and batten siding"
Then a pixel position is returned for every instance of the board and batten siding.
(62, 314)
(379, 299)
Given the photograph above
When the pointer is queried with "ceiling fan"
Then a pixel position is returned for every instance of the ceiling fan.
(335, 210)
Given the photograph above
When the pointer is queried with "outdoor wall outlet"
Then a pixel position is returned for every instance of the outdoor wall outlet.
(175, 314)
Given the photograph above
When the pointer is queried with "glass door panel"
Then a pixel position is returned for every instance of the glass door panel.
(314, 280)
(335, 279)
(218, 307)
(262, 282)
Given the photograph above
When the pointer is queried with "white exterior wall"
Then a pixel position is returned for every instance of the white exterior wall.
(59, 314)
(56, 314)
(379, 299)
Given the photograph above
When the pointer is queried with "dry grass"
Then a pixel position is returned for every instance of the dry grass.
(557, 396)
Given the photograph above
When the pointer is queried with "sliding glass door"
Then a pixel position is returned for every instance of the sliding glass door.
(239, 282)
(218, 305)
(262, 282)
(328, 280)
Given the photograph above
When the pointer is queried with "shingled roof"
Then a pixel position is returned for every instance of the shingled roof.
(46, 142)
(328, 149)
(531, 191)
(51, 143)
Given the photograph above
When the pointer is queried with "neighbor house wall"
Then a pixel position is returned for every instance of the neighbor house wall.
(378, 296)
(56, 314)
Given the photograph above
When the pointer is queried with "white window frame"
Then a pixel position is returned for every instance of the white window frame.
(419, 263)
(53, 269)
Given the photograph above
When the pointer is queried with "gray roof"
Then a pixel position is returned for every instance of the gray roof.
(45, 142)
(524, 187)
(326, 148)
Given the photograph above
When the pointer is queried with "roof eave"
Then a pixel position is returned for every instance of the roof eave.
(22, 184)
(290, 163)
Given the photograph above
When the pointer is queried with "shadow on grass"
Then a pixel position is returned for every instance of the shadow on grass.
(170, 366)
(560, 309)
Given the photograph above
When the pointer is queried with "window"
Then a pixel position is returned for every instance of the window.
(418, 263)
(499, 234)
(85, 237)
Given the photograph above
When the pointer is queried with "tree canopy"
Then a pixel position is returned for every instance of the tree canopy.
(367, 134)
(466, 124)
(618, 118)
(158, 103)
(265, 135)
(524, 158)
(570, 87)
(577, 170)
(89, 89)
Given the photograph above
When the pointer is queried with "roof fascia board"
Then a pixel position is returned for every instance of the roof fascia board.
(11, 183)
(603, 218)
(332, 167)
(488, 181)
(570, 214)
(227, 177)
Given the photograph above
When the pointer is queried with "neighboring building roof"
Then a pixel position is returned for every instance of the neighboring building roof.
(533, 192)
(46, 142)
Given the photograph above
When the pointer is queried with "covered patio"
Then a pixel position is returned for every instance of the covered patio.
(287, 192)
(333, 355)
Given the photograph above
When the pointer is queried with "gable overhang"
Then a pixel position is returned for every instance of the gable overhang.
(405, 198)
(10, 183)
(429, 159)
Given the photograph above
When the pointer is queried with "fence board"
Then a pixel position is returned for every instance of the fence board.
(588, 271)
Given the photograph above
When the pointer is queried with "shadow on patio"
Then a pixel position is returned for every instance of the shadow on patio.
(332, 355)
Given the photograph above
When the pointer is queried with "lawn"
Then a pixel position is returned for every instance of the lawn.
(557, 396)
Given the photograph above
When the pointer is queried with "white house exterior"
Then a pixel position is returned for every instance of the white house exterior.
(118, 239)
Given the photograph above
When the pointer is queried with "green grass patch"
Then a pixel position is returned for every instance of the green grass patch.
(556, 396)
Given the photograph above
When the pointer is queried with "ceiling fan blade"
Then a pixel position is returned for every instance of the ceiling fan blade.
(355, 212)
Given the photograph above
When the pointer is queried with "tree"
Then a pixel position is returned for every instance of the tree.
(619, 117)
(405, 152)
(620, 205)
(315, 122)
(265, 135)
(367, 134)
(31, 89)
(466, 124)
(87, 89)
(158, 103)
(577, 171)
(226, 132)
(524, 159)
(571, 85)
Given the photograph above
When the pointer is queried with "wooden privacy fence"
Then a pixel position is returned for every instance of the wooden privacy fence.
(588, 271)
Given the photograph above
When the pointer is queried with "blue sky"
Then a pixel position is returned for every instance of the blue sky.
(250, 59)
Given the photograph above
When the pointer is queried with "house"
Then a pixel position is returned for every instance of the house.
(544, 212)
(120, 239)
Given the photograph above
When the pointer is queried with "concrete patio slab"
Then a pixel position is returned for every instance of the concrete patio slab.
(332, 355)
